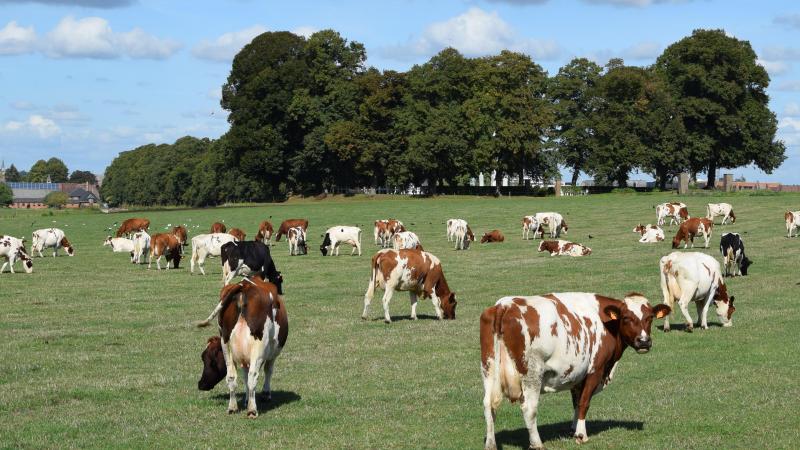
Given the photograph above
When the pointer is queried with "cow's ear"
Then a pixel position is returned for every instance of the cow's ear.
(730, 302)
(610, 313)
(661, 311)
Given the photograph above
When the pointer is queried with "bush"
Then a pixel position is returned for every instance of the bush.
(6, 195)
(56, 199)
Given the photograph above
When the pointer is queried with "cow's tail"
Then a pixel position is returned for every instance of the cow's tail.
(666, 277)
(195, 255)
(373, 280)
(708, 212)
(490, 332)
(225, 298)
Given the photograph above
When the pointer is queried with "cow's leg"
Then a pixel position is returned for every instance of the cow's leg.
(413, 297)
(589, 386)
(256, 365)
(387, 297)
(702, 318)
(368, 297)
(437, 304)
(201, 263)
(576, 396)
(266, 391)
(3, 269)
(491, 399)
(531, 389)
(230, 379)
(683, 303)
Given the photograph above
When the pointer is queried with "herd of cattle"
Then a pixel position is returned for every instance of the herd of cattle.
(529, 345)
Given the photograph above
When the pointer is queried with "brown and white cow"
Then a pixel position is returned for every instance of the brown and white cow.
(218, 227)
(419, 273)
(553, 222)
(238, 233)
(265, 231)
(676, 211)
(452, 225)
(165, 244)
(649, 233)
(180, 233)
(492, 236)
(13, 249)
(691, 228)
(385, 229)
(464, 236)
(562, 247)
(557, 342)
(406, 239)
(50, 238)
(792, 222)
(720, 209)
(529, 224)
(133, 225)
(253, 327)
(290, 223)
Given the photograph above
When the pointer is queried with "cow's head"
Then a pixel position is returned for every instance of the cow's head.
(68, 247)
(325, 243)
(732, 216)
(640, 229)
(27, 264)
(633, 319)
(724, 304)
(214, 368)
(745, 264)
(683, 213)
(470, 236)
(564, 226)
(676, 241)
(586, 251)
(108, 242)
(449, 304)
(485, 238)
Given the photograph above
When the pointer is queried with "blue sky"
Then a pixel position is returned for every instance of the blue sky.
(86, 79)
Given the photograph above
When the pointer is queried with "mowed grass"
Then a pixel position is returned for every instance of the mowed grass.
(97, 352)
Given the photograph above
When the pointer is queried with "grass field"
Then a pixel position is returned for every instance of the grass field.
(97, 352)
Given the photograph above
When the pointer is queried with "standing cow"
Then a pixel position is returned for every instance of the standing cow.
(554, 222)
(720, 209)
(141, 246)
(249, 259)
(731, 246)
(290, 223)
(464, 236)
(691, 228)
(406, 239)
(13, 249)
(165, 245)
(218, 227)
(452, 226)
(205, 245)
(264, 232)
(297, 241)
(676, 211)
(50, 238)
(338, 235)
(557, 342)
(792, 222)
(529, 225)
(133, 225)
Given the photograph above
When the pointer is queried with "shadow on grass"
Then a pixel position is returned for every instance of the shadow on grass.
(683, 327)
(519, 437)
(279, 398)
(401, 318)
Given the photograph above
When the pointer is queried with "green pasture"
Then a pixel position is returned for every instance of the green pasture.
(97, 352)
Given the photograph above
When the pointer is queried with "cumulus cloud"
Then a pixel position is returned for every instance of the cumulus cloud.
(305, 31)
(226, 46)
(788, 20)
(473, 33)
(774, 67)
(92, 37)
(106, 4)
(35, 125)
(17, 40)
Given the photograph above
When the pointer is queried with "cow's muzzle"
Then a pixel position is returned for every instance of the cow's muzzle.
(642, 345)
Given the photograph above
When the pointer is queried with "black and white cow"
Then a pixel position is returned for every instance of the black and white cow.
(736, 262)
(249, 258)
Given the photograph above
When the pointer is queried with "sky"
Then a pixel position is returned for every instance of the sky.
(84, 80)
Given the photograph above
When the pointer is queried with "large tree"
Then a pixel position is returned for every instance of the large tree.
(82, 176)
(12, 174)
(721, 93)
(6, 195)
(53, 168)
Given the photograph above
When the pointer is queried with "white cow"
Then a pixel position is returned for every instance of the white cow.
(205, 245)
(529, 224)
(553, 221)
(120, 245)
(50, 238)
(338, 235)
(651, 234)
(463, 236)
(141, 246)
(792, 222)
(676, 211)
(720, 209)
(452, 225)
(695, 277)
(13, 249)
(406, 239)
(297, 241)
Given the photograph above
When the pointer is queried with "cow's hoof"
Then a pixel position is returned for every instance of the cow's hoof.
(413, 317)
(363, 317)
(581, 439)
(666, 330)
(232, 410)
(252, 414)
(689, 329)
(387, 321)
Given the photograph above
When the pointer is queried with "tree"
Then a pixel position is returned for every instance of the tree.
(53, 168)
(38, 172)
(12, 174)
(6, 195)
(56, 199)
(82, 176)
(721, 92)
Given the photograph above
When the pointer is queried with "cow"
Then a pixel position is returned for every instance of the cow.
(218, 227)
(133, 225)
(379, 230)
(452, 225)
(141, 245)
(264, 232)
(464, 236)
(181, 235)
(649, 233)
(557, 342)
(691, 228)
(676, 211)
(167, 245)
(792, 222)
(720, 209)
(205, 245)
(695, 277)
(120, 245)
(338, 235)
(385, 229)
(562, 247)
(297, 241)
(253, 328)
(529, 224)
(249, 258)
(554, 222)
(50, 238)
(237, 233)
(13, 249)
(419, 273)
(290, 223)
(492, 236)
(731, 246)
(406, 239)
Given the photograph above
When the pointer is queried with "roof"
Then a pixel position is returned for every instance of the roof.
(82, 194)
(30, 194)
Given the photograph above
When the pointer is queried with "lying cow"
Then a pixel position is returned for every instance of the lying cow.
(492, 236)
(720, 209)
(251, 338)
(676, 211)
(264, 232)
(205, 245)
(731, 246)
(249, 259)
(562, 247)
(120, 245)
(165, 245)
(695, 277)
(290, 223)
(50, 238)
(463, 236)
(133, 225)
(338, 235)
(691, 228)
(557, 342)
(650, 234)
(407, 240)
(297, 241)
(218, 227)
(419, 273)
(529, 225)
(792, 222)
(141, 246)
(13, 249)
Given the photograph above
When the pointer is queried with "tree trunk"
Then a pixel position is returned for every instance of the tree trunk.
(712, 174)
(498, 181)
(575, 173)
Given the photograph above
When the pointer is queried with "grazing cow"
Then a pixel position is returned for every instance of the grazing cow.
(691, 228)
(492, 236)
(676, 211)
(297, 241)
(264, 232)
(205, 245)
(650, 233)
(13, 249)
(141, 245)
(165, 244)
(253, 328)
(338, 235)
(464, 236)
(695, 277)
(419, 273)
(217, 227)
(131, 226)
(50, 238)
(249, 258)
(120, 245)
(561, 247)
(554, 222)
(720, 209)
(406, 239)
(529, 224)
(731, 246)
(452, 225)
(181, 235)
(237, 233)
(557, 342)
(385, 229)
(792, 222)
(290, 223)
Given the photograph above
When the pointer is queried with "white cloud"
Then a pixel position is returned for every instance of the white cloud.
(304, 31)
(473, 33)
(774, 67)
(17, 40)
(92, 37)
(35, 124)
(138, 44)
(789, 123)
(792, 109)
(226, 46)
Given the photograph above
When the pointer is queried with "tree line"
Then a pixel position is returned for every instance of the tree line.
(308, 114)
(53, 168)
